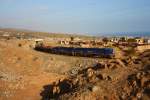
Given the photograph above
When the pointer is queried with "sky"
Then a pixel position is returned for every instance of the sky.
(76, 16)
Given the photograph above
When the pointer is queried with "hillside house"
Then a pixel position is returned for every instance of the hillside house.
(38, 42)
(147, 41)
(115, 39)
(139, 40)
(64, 42)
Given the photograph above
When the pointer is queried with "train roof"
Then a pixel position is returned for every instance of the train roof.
(78, 48)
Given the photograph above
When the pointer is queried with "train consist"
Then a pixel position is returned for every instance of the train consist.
(84, 52)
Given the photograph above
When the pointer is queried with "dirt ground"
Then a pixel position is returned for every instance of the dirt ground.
(26, 74)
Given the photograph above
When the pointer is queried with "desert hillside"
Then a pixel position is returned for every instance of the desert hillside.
(28, 74)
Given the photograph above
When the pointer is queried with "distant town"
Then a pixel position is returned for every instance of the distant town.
(79, 41)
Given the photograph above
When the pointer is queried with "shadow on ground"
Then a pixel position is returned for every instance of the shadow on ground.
(55, 90)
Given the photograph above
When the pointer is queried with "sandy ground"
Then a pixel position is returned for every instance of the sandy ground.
(25, 73)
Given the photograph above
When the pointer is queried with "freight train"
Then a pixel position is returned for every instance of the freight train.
(85, 52)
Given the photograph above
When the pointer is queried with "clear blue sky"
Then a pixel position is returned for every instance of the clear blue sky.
(77, 16)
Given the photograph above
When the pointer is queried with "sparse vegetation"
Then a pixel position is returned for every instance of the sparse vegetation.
(130, 51)
(105, 40)
(19, 44)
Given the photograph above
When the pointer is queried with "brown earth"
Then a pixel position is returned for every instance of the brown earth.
(26, 74)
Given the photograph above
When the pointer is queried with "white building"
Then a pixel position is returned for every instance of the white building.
(115, 39)
(140, 40)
